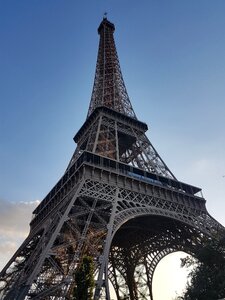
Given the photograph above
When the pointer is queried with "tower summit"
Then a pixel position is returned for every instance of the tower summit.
(117, 202)
(109, 89)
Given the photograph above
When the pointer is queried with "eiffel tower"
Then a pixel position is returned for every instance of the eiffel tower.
(117, 202)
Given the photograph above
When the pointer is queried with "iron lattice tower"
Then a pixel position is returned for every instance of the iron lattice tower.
(117, 202)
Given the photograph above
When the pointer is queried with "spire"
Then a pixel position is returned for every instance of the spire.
(109, 89)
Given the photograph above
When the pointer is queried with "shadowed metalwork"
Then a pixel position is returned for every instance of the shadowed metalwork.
(117, 202)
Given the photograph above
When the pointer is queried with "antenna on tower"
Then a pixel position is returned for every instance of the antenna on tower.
(105, 15)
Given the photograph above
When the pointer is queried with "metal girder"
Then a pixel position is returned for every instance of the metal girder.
(157, 229)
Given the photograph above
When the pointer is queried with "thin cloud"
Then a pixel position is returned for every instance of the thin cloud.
(15, 217)
(14, 226)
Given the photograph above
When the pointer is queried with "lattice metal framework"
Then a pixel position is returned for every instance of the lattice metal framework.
(117, 201)
(109, 89)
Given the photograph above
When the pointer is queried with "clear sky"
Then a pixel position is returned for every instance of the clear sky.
(172, 55)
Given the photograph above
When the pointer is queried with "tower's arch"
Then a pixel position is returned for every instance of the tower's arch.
(139, 245)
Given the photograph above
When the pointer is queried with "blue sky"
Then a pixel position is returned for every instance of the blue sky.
(172, 55)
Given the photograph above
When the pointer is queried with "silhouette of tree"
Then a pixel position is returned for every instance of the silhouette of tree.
(84, 280)
(207, 277)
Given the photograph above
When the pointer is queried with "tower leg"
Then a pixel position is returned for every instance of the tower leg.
(34, 260)
(105, 256)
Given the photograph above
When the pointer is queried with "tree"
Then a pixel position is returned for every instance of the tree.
(84, 280)
(207, 277)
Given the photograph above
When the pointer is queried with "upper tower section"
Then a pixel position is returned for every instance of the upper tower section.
(109, 89)
(111, 129)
